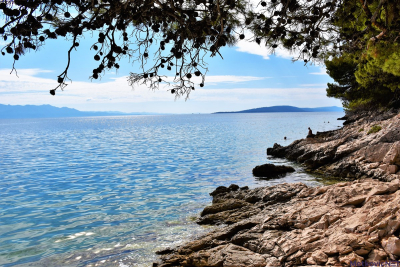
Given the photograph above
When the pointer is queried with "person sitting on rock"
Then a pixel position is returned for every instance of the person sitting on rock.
(310, 134)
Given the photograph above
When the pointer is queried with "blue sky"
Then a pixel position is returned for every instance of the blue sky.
(247, 77)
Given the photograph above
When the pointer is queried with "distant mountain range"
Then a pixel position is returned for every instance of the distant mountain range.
(48, 111)
(286, 109)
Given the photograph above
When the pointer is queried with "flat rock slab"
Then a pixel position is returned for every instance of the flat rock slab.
(296, 225)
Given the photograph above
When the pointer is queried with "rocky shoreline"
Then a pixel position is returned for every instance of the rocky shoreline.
(367, 146)
(349, 223)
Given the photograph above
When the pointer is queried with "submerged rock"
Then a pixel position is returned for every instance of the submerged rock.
(296, 225)
(271, 170)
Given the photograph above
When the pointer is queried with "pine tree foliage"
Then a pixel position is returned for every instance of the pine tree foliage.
(361, 85)
(372, 34)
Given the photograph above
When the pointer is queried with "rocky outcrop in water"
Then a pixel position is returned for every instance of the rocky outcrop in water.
(368, 146)
(295, 225)
(270, 170)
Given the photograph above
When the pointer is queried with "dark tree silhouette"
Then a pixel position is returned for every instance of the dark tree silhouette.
(184, 32)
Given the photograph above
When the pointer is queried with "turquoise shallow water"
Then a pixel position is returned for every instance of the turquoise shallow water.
(109, 191)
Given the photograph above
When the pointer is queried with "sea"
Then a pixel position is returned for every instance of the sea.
(110, 191)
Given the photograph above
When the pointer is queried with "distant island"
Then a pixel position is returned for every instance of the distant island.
(48, 111)
(286, 109)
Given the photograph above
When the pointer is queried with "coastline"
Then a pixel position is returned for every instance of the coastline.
(367, 146)
(347, 223)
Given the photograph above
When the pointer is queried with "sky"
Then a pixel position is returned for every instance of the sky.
(247, 77)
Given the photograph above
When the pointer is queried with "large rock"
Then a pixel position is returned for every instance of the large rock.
(391, 245)
(393, 154)
(271, 170)
(296, 225)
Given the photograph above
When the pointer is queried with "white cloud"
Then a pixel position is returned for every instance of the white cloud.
(216, 79)
(284, 53)
(28, 75)
(253, 48)
(314, 85)
(33, 89)
(261, 50)
(118, 95)
(232, 79)
(322, 71)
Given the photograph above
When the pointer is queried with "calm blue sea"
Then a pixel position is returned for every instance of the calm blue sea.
(109, 191)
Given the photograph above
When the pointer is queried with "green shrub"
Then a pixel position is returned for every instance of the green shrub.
(374, 129)
(362, 129)
(359, 105)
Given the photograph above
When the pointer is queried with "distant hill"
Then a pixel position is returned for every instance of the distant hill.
(286, 109)
(48, 111)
